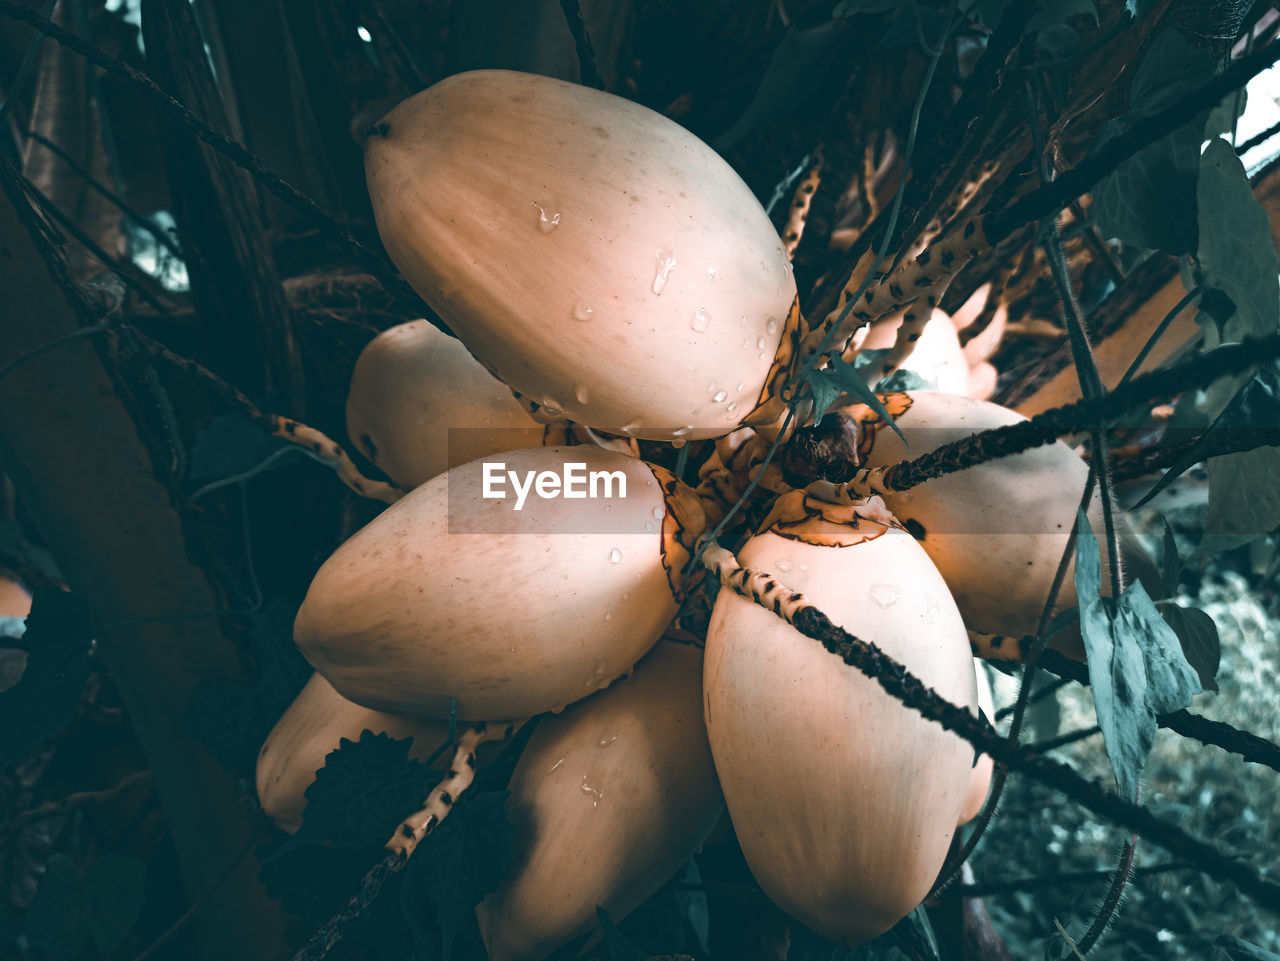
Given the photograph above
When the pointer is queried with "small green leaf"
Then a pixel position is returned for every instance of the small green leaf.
(364, 790)
(463, 860)
(903, 380)
(620, 948)
(1198, 636)
(839, 377)
(1238, 950)
(1171, 563)
(58, 637)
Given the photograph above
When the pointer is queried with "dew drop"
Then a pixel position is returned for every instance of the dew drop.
(583, 312)
(608, 615)
(596, 795)
(547, 224)
(760, 344)
(659, 513)
(771, 326)
(777, 251)
(886, 595)
(720, 396)
(615, 556)
(804, 567)
(606, 741)
(682, 431)
(581, 393)
(632, 427)
(733, 405)
(780, 290)
(742, 385)
(701, 320)
(552, 408)
(556, 765)
(746, 344)
(666, 264)
(784, 565)
(711, 272)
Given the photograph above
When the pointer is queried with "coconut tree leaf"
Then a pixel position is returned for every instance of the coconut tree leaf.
(842, 378)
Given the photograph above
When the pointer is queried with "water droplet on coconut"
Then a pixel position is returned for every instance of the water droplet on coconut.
(733, 405)
(742, 385)
(746, 344)
(720, 396)
(596, 795)
(771, 326)
(666, 264)
(784, 565)
(581, 393)
(711, 272)
(615, 556)
(583, 312)
(547, 224)
(760, 344)
(632, 427)
(701, 320)
(556, 765)
(606, 741)
(608, 615)
(682, 431)
(886, 595)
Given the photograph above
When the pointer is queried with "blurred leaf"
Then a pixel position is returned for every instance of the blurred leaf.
(113, 886)
(1171, 563)
(58, 637)
(231, 444)
(620, 949)
(1238, 950)
(903, 380)
(363, 792)
(1150, 200)
(68, 912)
(313, 881)
(464, 859)
(232, 720)
(1235, 252)
(795, 70)
(1244, 500)
(1198, 636)
(914, 935)
(1136, 665)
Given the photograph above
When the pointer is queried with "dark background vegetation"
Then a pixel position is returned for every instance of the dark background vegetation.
(128, 822)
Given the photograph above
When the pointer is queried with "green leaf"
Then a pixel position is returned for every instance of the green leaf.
(795, 70)
(463, 860)
(232, 720)
(363, 792)
(1244, 500)
(1235, 252)
(58, 637)
(1198, 636)
(620, 948)
(313, 881)
(114, 887)
(1136, 665)
(1150, 200)
(1171, 563)
(231, 444)
(57, 921)
(1238, 950)
(68, 911)
(692, 901)
(837, 378)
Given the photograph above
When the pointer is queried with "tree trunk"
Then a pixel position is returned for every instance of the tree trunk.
(72, 448)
